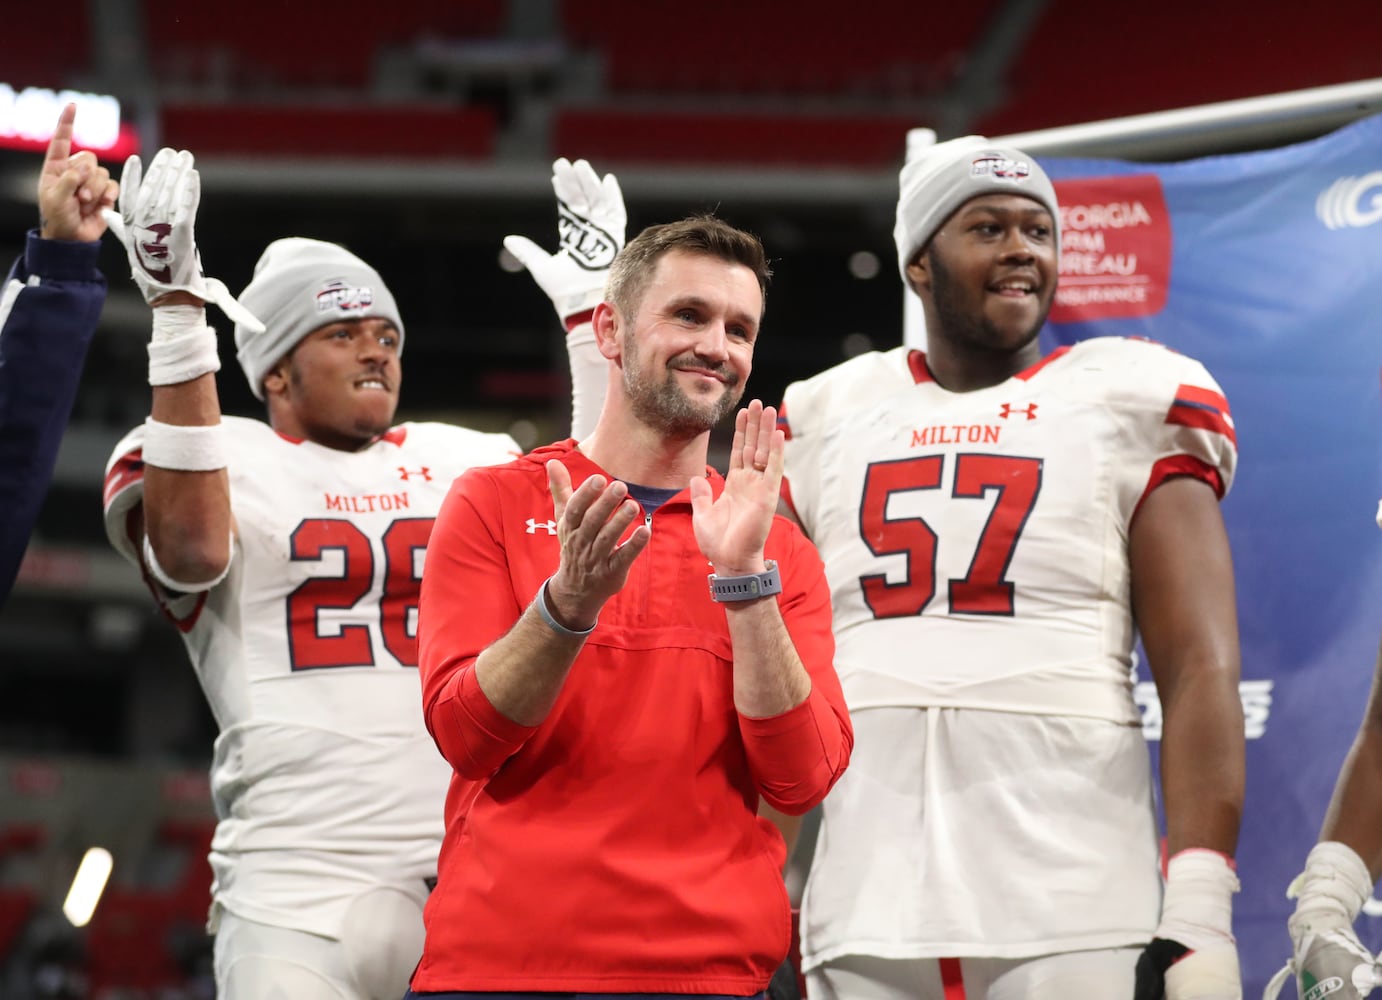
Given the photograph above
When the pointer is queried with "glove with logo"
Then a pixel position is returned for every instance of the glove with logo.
(590, 227)
(157, 213)
(1328, 960)
(1193, 955)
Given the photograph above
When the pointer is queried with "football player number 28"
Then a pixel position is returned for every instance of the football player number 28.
(985, 589)
(313, 643)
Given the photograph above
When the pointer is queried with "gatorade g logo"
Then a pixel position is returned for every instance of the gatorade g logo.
(587, 244)
(337, 295)
(1351, 202)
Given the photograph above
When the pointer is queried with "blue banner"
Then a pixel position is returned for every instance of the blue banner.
(1267, 267)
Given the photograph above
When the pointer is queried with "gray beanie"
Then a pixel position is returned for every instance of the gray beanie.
(299, 285)
(943, 177)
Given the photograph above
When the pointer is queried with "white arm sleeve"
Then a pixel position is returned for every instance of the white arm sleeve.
(589, 379)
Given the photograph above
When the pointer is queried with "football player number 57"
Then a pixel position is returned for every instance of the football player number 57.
(985, 589)
(352, 645)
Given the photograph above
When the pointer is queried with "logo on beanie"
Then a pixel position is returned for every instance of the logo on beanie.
(1000, 167)
(337, 295)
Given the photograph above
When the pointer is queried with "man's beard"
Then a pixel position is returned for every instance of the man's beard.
(663, 405)
(966, 327)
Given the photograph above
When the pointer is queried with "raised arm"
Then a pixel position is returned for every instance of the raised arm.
(590, 227)
(769, 677)
(1183, 602)
(49, 308)
(186, 508)
(73, 191)
(796, 730)
(523, 672)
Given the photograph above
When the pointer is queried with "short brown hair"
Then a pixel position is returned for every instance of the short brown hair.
(707, 235)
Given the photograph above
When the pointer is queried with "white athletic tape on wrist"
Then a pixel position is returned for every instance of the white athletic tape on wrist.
(1198, 907)
(159, 574)
(182, 347)
(1331, 891)
(184, 449)
(171, 322)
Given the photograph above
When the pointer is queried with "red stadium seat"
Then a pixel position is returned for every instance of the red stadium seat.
(16, 906)
(900, 47)
(17, 902)
(34, 57)
(191, 895)
(127, 942)
(1080, 65)
(307, 47)
(306, 132)
(614, 137)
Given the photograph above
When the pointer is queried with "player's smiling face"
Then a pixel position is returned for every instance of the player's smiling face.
(339, 386)
(687, 353)
(990, 272)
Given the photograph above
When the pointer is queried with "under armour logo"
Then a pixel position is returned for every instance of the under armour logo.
(155, 251)
(1008, 410)
(548, 526)
(425, 472)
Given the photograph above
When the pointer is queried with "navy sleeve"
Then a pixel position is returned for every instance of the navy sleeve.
(49, 308)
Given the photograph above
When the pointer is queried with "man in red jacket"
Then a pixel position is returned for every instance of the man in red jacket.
(621, 653)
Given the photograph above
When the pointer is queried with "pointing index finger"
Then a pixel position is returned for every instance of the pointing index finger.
(60, 146)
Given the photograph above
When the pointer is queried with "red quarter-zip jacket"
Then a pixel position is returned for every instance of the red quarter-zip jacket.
(615, 847)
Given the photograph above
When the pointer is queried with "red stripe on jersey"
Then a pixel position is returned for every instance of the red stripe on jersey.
(1181, 465)
(916, 363)
(577, 319)
(1027, 373)
(1202, 408)
(783, 424)
(188, 621)
(952, 979)
(127, 470)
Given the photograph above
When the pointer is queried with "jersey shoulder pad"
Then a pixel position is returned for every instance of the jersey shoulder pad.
(1143, 372)
(430, 433)
(864, 377)
(1178, 418)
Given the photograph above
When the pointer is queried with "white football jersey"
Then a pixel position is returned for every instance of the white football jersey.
(325, 780)
(976, 543)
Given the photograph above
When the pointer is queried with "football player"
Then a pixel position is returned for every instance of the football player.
(998, 527)
(288, 553)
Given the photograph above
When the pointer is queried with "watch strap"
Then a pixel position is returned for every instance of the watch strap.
(725, 589)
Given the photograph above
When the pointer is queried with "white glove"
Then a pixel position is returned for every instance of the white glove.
(1328, 960)
(590, 226)
(1193, 955)
(155, 222)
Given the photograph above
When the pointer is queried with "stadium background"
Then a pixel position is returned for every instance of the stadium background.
(420, 137)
